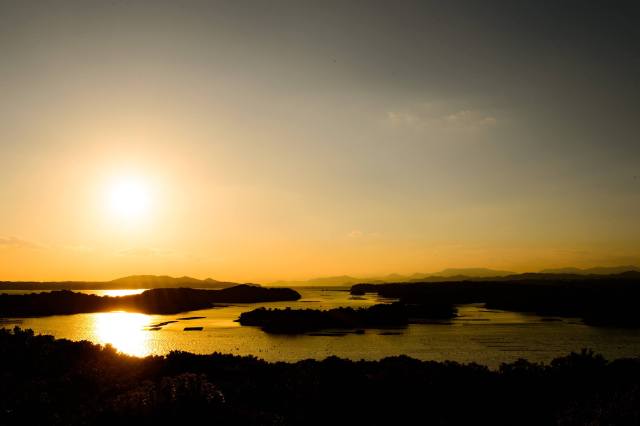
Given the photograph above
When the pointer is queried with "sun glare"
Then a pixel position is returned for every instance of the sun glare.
(123, 330)
(129, 199)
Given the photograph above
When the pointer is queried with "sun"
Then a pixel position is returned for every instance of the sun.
(129, 198)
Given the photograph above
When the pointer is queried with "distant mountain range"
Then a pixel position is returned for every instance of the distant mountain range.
(600, 270)
(450, 274)
(444, 275)
(460, 274)
(160, 281)
(130, 282)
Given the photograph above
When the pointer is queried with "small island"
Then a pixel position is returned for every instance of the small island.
(298, 321)
(156, 301)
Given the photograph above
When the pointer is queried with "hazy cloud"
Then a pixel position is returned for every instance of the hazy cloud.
(470, 119)
(429, 116)
(404, 118)
(357, 234)
(18, 243)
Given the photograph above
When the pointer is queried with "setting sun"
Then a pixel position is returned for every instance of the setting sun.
(129, 199)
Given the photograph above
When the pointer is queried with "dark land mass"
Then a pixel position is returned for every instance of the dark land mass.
(58, 382)
(295, 321)
(133, 281)
(610, 300)
(155, 301)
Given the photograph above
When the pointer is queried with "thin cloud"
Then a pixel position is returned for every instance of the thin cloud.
(18, 243)
(357, 234)
(404, 118)
(429, 116)
(470, 119)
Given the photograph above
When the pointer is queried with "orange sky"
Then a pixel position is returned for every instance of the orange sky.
(260, 145)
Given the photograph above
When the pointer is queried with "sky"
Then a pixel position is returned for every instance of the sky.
(263, 141)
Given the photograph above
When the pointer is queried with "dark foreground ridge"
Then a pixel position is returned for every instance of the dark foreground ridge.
(603, 301)
(155, 301)
(58, 382)
(294, 321)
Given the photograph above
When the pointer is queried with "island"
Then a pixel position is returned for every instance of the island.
(600, 300)
(297, 321)
(155, 301)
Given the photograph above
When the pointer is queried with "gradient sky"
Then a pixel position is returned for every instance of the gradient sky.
(291, 139)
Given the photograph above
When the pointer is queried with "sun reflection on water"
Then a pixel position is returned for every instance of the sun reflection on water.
(124, 331)
(115, 292)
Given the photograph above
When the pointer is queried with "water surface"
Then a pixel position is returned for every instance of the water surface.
(477, 335)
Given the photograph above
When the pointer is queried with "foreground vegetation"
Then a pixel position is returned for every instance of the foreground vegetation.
(155, 301)
(295, 321)
(58, 382)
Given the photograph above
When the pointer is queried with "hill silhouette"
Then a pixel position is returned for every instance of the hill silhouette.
(600, 270)
(604, 300)
(459, 274)
(154, 301)
(129, 282)
(449, 274)
(445, 274)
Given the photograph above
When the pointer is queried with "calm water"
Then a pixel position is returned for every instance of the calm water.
(478, 335)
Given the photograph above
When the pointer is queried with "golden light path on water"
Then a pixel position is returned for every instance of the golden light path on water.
(123, 330)
(115, 293)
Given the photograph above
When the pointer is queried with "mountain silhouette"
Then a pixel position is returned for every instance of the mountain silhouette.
(445, 274)
(599, 270)
(129, 282)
